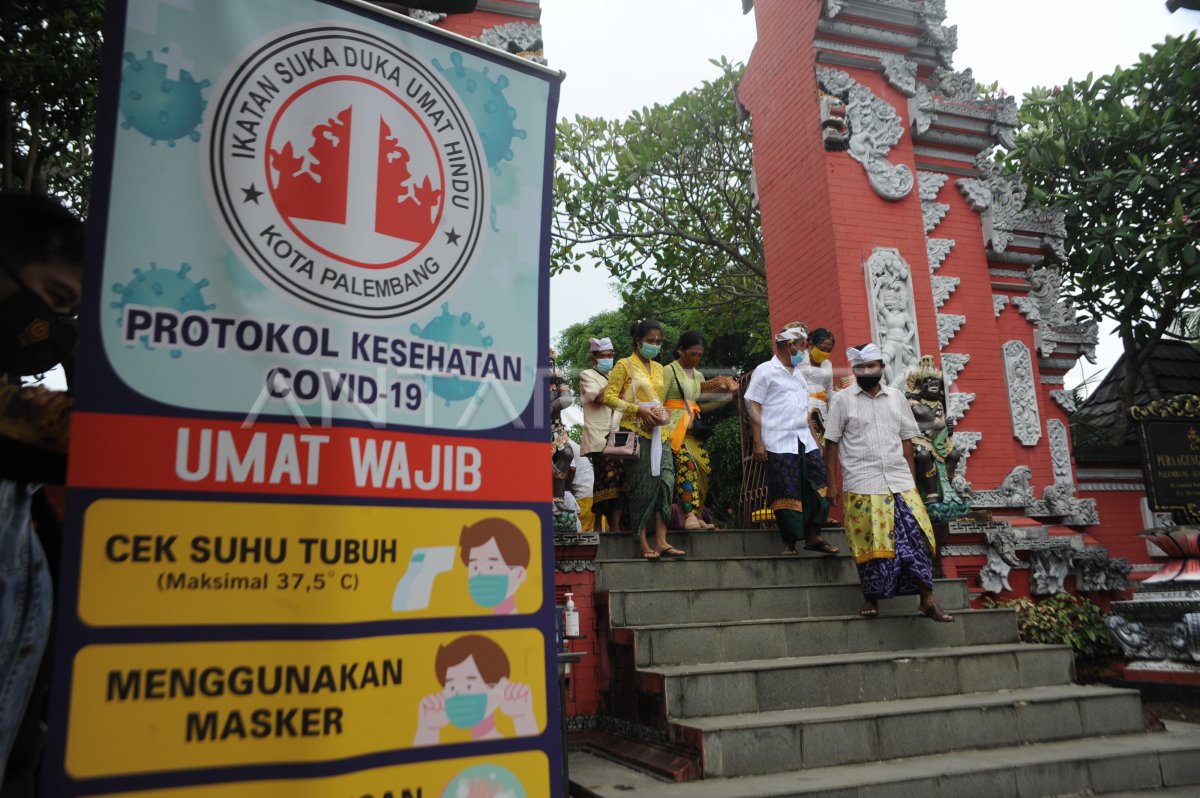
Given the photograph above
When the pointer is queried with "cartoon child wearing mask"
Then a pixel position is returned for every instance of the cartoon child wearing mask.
(473, 671)
(496, 554)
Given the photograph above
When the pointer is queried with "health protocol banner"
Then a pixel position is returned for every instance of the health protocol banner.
(308, 549)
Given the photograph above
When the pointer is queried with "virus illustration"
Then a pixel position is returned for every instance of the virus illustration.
(162, 288)
(488, 107)
(454, 331)
(158, 107)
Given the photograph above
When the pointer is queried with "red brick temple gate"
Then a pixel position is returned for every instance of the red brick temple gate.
(885, 218)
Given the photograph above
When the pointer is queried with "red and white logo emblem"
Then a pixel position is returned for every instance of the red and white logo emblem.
(346, 171)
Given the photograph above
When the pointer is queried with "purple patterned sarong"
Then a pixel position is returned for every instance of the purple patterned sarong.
(909, 570)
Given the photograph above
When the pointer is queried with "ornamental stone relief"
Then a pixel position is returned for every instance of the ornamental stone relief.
(875, 128)
(943, 287)
(514, 37)
(952, 364)
(1022, 393)
(929, 184)
(937, 249)
(1050, 567)
(998, 303)
(932, 214)
(1060, 450)
(965, 443)
(1065, 399)
(893, 312)
(1014, 491)
(948, 325)
(1000, 200)
(900, 72)
(957, 404)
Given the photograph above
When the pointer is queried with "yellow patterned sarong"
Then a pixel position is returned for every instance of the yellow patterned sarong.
(870, 520)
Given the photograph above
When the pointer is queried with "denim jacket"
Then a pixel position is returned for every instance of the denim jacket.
(25, 599)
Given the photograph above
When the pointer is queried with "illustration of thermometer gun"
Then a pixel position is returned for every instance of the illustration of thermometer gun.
(416, 586)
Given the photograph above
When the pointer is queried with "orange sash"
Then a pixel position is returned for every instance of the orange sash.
(680, 431)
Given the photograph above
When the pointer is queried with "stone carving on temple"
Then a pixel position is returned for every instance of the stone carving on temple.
(893, 312)
(1000, 199)
(1001, 559)
(934, 454)
(1049, 568)
(1022, 393)
(875, 128)
(937, 249)
(520, 38)
(1014, 490)
(1065, 400)
(1162, 620)
(835, 134)
(948, 325)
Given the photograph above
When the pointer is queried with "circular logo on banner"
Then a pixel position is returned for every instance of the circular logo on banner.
(346, 171)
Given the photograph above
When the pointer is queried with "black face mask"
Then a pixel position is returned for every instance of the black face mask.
(33, 338)
(867, 382)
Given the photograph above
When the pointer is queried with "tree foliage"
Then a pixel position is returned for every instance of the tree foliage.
(663, 199)
(49, 73)
(1120, 155)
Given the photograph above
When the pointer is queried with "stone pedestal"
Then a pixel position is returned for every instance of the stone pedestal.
(1159, 628)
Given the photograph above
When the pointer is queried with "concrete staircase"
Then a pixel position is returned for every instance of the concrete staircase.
(758, 668)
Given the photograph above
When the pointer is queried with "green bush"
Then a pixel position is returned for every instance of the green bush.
(1062, 619)
(725, 482)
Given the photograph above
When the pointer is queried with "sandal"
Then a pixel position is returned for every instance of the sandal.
(671, 551)
(822, 546)
(935, 613)
(652, 556)
(870, 611)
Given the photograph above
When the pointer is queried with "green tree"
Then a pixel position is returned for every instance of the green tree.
(49, 73)
(1120, 154)
(663, 200)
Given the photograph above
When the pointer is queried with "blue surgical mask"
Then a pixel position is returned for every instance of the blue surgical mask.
(797, 358)
(466, 710)
(604, 365)
(651, 350)
(488, 590)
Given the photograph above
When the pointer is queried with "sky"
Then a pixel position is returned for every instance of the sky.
(621, 55)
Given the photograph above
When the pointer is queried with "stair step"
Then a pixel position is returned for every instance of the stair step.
(709, 544)
(693, 573)
(805, 682)
(738, 641)
(767, 742)
(1129, 762)
(630, 607)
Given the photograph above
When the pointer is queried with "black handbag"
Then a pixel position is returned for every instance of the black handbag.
(700, 429)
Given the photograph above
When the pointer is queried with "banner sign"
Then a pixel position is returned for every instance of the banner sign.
(308, 549)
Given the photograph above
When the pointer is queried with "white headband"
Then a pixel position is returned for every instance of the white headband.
(794, 332)
(599, 344)
(867, 354)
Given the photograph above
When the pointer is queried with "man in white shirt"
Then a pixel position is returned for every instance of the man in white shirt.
(778, 403)
(868, 449)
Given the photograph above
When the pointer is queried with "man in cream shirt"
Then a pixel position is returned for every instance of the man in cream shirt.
(868, 449)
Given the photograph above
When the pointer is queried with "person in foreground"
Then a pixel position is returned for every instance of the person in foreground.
(777, 400)
(41, 280)
(868, 449)
(636, 390)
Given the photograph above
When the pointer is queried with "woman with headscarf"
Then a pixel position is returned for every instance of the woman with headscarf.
(608, 487)
(684, 394)
(636, 390)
